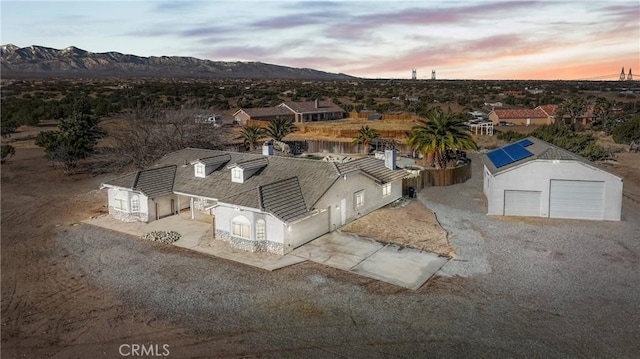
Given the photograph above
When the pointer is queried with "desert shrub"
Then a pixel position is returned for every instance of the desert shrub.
(583, 144)
(7, 151)
(627, 131)
(511, 136)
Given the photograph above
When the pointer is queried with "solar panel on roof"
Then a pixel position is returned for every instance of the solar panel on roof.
(525, 143)
(499, 158)
(517, 152)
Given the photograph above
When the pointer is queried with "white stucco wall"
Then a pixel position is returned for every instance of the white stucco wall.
(537, 175)
(347, 188)
(306, 230)
(127, 195)
(225, 213)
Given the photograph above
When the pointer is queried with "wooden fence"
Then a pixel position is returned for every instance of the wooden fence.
(385, 117)
(433, 177)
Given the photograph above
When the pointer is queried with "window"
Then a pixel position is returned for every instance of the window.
(261, 230)
(359, 199)
(236, 175)
(135, 204)
(120, 204)
(199, 170)
(386, 189)
(241, 227)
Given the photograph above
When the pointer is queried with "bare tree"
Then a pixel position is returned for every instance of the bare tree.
(149, 133)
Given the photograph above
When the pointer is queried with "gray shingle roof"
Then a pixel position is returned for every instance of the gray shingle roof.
(155, 182)
(215, 161)
(251, 164)
(284, 199)
(372, 167)
(314, 177)
(152, 182)
(310, 106)
(541, 150)
(257, 112)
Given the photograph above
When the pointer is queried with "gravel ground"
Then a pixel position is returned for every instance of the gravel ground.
(517, 288)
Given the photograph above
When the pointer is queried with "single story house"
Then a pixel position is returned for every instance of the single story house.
(259, 202)
(296, 111)
(521, 117)
(534, 178)
(261, 114)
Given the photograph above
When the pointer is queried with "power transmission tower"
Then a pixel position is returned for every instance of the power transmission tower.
(622, 74)
(414, 74)
(433, 74)
(629, 76)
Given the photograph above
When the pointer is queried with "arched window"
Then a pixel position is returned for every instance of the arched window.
(261, 230)
(135, 204)
(241, 227)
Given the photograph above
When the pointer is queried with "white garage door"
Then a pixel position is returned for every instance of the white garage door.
(576, 199)
(522, 203)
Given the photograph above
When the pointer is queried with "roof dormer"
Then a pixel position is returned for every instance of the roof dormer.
(204, 166)
(242, 171)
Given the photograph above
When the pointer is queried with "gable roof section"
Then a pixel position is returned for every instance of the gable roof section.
(550, 110)
(283, 199)
(215, 161)
(258, 112)
(310, 107)
(372, 167)
(154, 182)
(314, 177)
(541, 150)
(251, 164)
(520, 113)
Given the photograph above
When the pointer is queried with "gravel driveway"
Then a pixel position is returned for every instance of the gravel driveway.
(517, 288)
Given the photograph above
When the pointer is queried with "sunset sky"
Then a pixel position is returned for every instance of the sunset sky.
(373, 39)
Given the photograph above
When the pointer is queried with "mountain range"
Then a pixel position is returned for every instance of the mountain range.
(40, 61)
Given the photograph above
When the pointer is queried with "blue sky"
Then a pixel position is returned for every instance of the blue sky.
(458, 39)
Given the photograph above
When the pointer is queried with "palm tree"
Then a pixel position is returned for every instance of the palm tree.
(439, 133)
(251, 135)
(279, 128)
(365, 135)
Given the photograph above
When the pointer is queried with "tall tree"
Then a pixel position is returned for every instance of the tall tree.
(279, 128)
(604, 115)
(572, 108)
(365, 135)
(250, 135)
(439, 133)
(73, 140)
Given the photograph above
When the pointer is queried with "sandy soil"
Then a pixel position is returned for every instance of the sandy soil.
(420, 228)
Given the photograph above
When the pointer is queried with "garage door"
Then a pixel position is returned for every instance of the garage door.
(576, 199)
(522, 203)
(310, 229)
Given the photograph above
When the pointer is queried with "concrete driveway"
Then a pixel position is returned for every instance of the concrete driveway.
(405, 267)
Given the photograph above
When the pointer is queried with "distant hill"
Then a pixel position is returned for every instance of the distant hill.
(40, 61)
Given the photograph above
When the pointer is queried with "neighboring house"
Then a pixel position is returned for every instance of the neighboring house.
(522, 116)
(295, 111)
(534, 178)
(259, 203)
(262, 114)
(549, 110)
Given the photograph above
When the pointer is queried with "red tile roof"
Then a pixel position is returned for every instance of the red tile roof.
(520, 113)
(550, 110)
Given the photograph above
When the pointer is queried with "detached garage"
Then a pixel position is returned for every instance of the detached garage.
(537, 179)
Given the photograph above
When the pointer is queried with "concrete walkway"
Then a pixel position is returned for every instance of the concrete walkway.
(405, 267)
